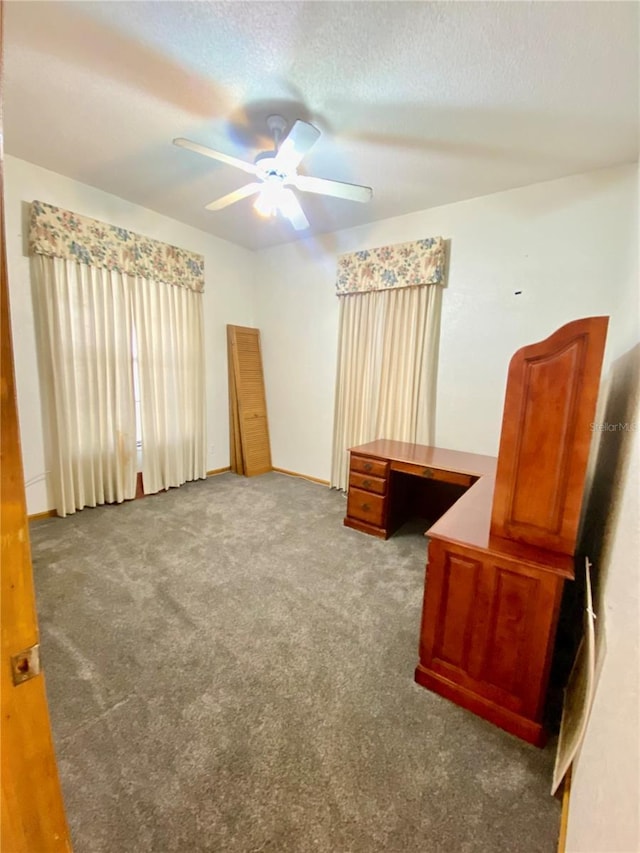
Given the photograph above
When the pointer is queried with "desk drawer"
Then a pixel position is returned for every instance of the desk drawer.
(367, 465)
(367, 507)
(440, 474)
(367, 482)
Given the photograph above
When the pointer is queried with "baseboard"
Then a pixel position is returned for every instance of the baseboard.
(302, 476)
(48, 513)
(51, 513)
(564, 817)
(217, 471)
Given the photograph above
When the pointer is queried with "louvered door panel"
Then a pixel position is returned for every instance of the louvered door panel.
(248, 403)
(234, 422)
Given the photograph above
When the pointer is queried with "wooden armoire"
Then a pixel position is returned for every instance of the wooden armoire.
(499, 558)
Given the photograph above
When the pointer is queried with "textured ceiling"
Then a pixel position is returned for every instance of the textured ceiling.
(428, 103)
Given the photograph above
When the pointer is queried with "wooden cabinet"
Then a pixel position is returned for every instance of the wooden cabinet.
(500, 555)
(487, 634)
(498, 559)
(367, 501)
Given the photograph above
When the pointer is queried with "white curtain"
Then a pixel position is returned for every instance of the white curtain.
(387, 367)
(170, 345)
(86, 336)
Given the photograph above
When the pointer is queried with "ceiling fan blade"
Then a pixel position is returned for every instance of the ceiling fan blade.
(337, 189)
(215, 155)
(295, 145)
(289, 206)
(236, 195)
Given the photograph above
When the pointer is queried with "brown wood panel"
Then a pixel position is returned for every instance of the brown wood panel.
(33, 816)
(235, 441)
(249, 409)
(456, 602)
(538, 501)
(510, 629)
(488, 626)
(552, 390)
(564, 817)
(368, 483)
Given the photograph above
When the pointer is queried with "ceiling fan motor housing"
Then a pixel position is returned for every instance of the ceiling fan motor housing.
(266, 169)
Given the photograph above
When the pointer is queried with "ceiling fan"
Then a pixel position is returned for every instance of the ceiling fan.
(277, 172)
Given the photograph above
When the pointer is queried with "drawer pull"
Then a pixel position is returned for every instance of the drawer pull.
(427, 472)
(366, 484)
(367, 466)
(365, 507)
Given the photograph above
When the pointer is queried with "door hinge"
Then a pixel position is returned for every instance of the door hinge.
(26, 664)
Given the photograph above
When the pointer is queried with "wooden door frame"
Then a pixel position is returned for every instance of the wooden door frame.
(33, 815)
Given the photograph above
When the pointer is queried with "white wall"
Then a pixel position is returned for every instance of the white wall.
(228, 299)
(604, 808)
(564, 244)
(604, 811)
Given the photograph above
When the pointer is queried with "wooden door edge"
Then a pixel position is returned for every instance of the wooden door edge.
(564, 816)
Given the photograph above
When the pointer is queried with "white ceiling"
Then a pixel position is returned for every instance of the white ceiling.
(427, 102)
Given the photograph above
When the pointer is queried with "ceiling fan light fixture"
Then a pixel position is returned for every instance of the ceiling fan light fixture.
(268, 199)
(263, 206)
(288, 204)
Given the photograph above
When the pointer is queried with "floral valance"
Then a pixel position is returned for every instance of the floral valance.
(400, 265)
(59, 233)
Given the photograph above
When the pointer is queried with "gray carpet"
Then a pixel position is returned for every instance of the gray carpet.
(231, 669)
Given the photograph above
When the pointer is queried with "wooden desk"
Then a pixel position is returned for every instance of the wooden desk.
(378, 500)
(499, 557)
(491, 605)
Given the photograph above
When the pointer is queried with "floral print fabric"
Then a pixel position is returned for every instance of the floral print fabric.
(59, 233)
(400, 265)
